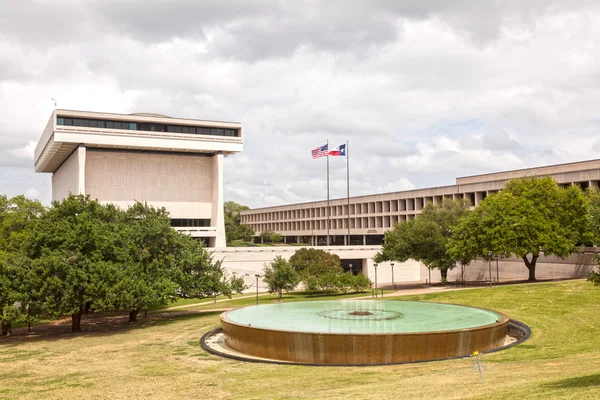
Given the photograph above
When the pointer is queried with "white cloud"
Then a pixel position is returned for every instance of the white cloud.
(424, 91)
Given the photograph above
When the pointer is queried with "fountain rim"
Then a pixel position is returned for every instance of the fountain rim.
(503, 320)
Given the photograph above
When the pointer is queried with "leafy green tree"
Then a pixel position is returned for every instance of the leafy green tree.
(244, 232)
(15, 216)
(529, 217)
(234, 229)
(329, 281)
(279, 275)
(276, 237)
(361, 283)
(426, 238)
(594, 277)
(310, 262)
(593, 217)
(266, 236)
(76, 251)
(8, 311)
(17, 296)
(345, 281)
(147, 277)
(199, 276)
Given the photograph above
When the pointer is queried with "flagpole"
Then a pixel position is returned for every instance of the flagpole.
(327, 192)
(348, 188)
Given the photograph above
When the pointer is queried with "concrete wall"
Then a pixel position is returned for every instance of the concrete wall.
(575, 266)
(182, 184)
(66, 179)
(251, 261)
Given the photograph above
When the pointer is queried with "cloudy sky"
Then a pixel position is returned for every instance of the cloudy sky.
(424, 90)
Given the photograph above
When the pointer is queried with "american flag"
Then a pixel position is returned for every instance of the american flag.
(320, 151)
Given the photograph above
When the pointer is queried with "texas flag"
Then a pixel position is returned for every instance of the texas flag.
(338, 151)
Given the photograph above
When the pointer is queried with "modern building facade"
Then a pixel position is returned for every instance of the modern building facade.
(366, 218)
(122, 158)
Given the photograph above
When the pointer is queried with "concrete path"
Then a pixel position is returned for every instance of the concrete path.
(202, 303)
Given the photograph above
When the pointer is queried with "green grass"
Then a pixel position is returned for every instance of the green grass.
(162, 359)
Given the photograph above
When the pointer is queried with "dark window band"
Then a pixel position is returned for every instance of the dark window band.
(189, 223)
(145, 126)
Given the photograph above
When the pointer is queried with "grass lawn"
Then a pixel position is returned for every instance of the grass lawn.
(161, 359)
(249, 299)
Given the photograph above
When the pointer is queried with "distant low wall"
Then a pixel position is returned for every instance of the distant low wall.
(249, 261)
(575, 266)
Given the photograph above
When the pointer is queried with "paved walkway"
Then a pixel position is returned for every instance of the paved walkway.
(409, 290)
(202, 303)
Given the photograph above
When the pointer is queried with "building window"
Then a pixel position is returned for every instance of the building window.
(134, 126)
(189, 223)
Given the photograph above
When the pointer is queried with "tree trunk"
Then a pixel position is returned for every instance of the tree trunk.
(76, 321)
(6, 329)
(133, 315)
(531, 266)
(444, 273)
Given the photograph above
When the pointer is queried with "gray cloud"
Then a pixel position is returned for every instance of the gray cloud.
(424, 90)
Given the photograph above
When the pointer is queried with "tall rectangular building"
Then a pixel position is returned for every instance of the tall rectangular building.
(122, 158)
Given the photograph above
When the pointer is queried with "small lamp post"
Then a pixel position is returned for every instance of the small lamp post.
(351, 271)
(375, 265)
(393, 283)
(497, 273)
(489, 254)
(257, 276)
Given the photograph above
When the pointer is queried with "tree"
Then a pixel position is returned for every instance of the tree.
(361, 283)
(8, 312)
(593, 217)
(199, 276)
(279, 275)
(426, 238)
(594, 277)
(76, 250)
(146, 277)
(276, 237)
(16, 214)
(529, 217)
(17, 295)
(244, 232)
(345, 281)
(234, 229)
(266, 236)
(311, 262)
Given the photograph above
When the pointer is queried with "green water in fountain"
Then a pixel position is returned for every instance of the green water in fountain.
(362, 316)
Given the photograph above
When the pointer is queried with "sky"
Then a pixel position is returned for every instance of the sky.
(424, 91)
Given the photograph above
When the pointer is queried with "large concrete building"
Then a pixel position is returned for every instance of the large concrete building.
(122, 158)
(366, 218)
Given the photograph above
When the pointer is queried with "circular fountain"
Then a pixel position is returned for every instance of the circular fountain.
(356, 332)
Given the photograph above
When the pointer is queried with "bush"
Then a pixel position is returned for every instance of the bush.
(345, 281)
(361, 283)
(276, 237)
(329, 282)
(594, 277)
(311, 284)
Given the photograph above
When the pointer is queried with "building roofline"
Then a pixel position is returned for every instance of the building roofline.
(351, 197)
(143, 115)
(527, 169)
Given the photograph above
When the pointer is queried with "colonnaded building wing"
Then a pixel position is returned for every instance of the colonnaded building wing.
(363, 220)
(122, 158)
